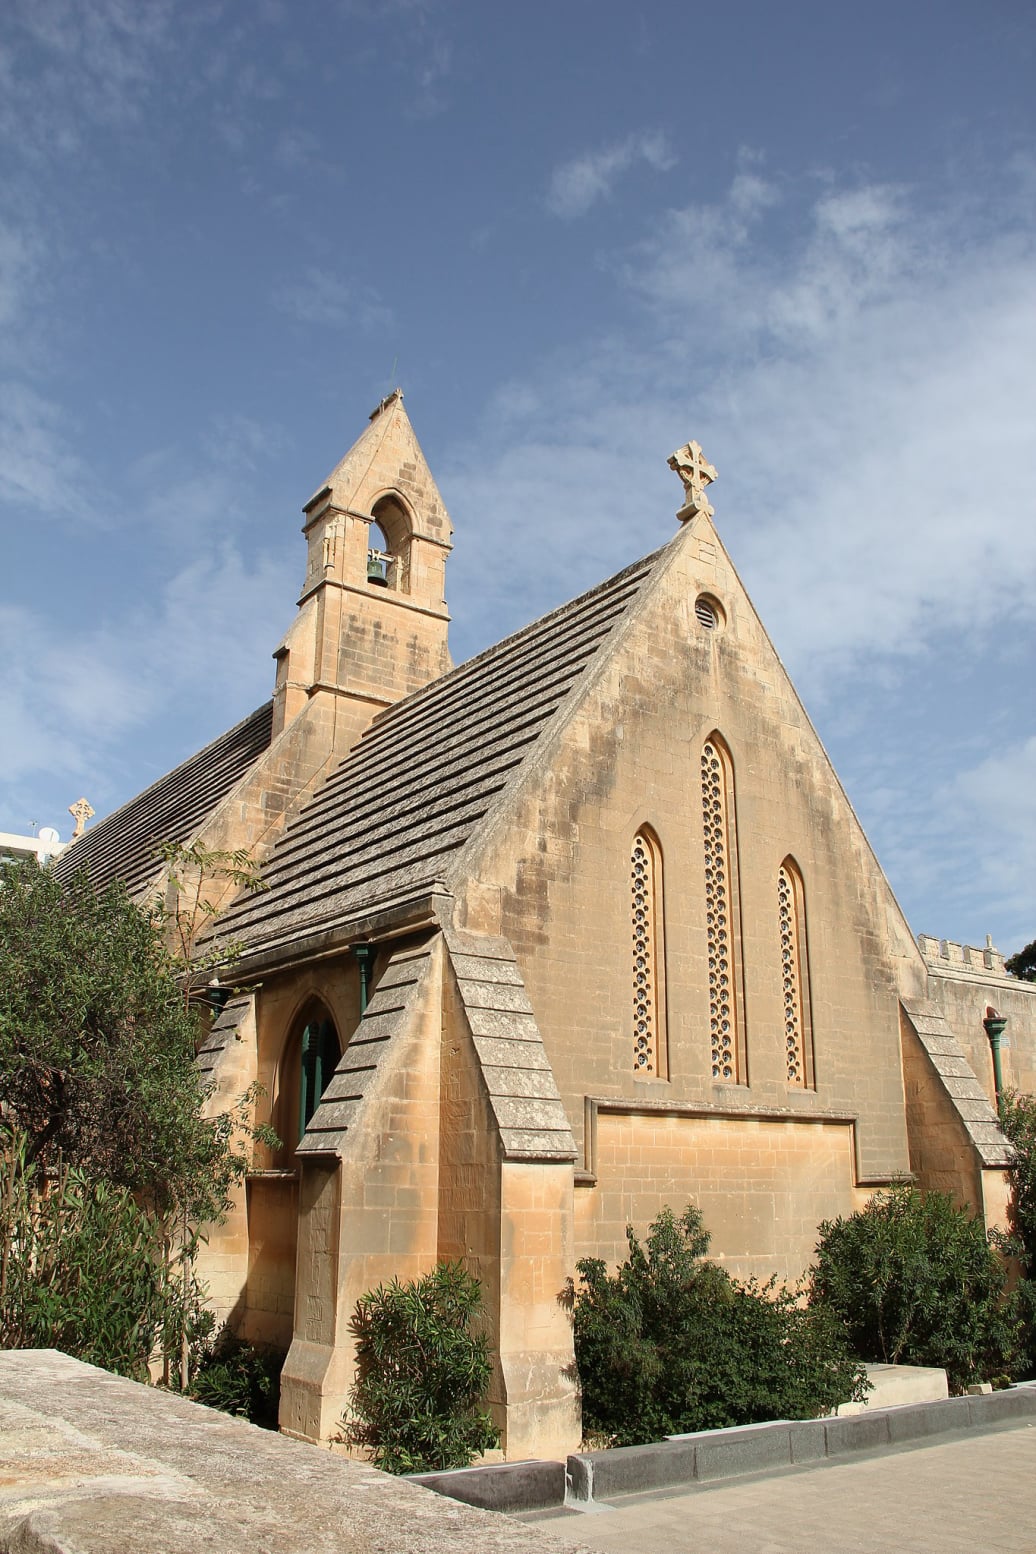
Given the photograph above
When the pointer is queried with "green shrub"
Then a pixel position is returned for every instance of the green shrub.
(1018, 1120)
(915, 1282)
(86, 1269)
(670, 1343)
(421, 1374)
(240, 1378)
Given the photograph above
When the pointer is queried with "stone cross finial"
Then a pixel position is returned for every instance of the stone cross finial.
(696, 473)
(81, 813)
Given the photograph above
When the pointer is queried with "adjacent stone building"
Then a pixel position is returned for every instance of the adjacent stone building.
(579, 928)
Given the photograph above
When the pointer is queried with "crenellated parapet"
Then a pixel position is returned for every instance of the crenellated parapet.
(945, 955)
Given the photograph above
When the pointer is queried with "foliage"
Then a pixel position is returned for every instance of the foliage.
(188, 908)
(86, 1269)
(97, 1046)
(239, 1378)
(915, 1281)
(670, 1343)
(1018, 1120)
(421, 1373)
(1023, 964)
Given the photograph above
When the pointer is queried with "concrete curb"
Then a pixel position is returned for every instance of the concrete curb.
(710, 1455)
(535, 1485)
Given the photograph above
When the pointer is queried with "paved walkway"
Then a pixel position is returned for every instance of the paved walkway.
(973, 1494)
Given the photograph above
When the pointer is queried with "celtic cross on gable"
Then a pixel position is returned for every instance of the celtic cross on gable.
(81, 813)
(696, 473)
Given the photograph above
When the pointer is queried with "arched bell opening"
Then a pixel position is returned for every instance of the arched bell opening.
(388, 554)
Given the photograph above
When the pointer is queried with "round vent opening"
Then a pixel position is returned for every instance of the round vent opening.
(709, 612)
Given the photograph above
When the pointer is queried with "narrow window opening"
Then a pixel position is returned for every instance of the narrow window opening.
(648, 968)
(798, 1027)
(722, 915)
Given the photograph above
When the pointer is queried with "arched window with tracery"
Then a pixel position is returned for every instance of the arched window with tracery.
(798, 1023)
(722, 913)
(648, 957)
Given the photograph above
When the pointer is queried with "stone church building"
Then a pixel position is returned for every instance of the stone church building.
(579, 928)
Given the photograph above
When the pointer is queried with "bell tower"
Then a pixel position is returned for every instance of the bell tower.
(372, 618)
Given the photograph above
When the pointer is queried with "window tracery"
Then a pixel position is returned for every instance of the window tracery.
(798, 1035)
(649, 1057)
(721, 913)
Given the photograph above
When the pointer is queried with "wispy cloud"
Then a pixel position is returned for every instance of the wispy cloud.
(858, 362)
(67, 697)
(578, 184)
(39, 468)
(88, 64)
(318, 296)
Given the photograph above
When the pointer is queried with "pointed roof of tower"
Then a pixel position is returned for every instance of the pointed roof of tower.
(387, 460)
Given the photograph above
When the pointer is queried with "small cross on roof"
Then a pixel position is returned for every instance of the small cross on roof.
(696, 473)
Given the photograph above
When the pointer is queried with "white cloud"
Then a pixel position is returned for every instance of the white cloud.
(859, 362)
(578, 184)
(19, 269)
(995, 800)
(860, 369)
(39, 469)
(89, 64)
(69, 698)
(319, 297)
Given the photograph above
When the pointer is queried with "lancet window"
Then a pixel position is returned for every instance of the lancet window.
(648, 985)
(309, 1059)
(798, 1031)
(722, 913)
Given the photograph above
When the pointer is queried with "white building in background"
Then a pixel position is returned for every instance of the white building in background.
(45, 845)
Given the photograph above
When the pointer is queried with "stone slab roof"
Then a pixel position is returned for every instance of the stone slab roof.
(386, 1016)
(123, 845)
(386, 823)
(960, 1082)
(226, 1028)
(516, 1071)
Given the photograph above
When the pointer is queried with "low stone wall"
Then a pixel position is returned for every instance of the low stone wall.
(93, 1464)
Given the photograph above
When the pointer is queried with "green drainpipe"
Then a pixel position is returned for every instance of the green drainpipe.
(365, 960)
(995, 1025)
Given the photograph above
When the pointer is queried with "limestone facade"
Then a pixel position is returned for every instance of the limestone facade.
(581, 928)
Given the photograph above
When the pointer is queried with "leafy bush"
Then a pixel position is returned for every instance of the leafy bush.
(915, 1282)
(1018, 1120)
(240, 1378)
(97, 1046)
(670, 1343)
(421, 1374)
(86, 1269)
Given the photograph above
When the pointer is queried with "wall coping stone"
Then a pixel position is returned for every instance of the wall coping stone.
(96, 1464)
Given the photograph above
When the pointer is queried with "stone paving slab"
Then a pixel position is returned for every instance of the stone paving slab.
(93, 1464)
(973, 1494)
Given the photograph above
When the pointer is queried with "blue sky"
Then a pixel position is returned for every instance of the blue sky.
(577, 235)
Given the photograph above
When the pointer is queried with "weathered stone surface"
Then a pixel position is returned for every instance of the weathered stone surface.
(95, 1464)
